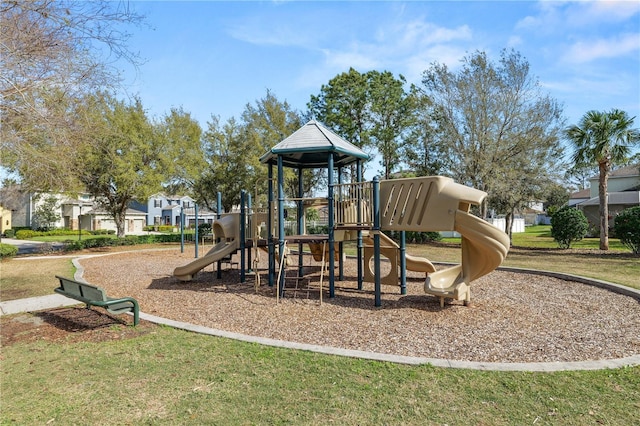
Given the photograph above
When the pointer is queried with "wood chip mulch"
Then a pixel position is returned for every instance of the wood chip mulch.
(514, 317)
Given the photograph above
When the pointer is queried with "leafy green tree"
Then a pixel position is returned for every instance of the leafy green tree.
(392, 113)
(491, 117)
(605, 139)
(371, 110)
(233, 152)
(265, 124)
(343, 105)
(46, 213)
(627, 228)
(185, 158)
(568, 225)
(53, 55)
(229, 168)
(556, 196)
(124, 160)
(419, 152)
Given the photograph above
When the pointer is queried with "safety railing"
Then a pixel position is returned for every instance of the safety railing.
(352, 205)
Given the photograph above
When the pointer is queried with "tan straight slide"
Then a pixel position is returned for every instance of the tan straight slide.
(218, 252)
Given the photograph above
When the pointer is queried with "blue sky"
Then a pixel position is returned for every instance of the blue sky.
(212, 57)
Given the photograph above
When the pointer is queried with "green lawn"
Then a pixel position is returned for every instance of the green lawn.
(167, 376)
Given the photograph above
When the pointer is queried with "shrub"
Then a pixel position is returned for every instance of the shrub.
(318, 229)
(25, 234)
(568, 225)
(10, 233)
(7, 250)
(627, 228)
(204, 228)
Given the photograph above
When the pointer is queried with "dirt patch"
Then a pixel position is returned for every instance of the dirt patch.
(73, 324)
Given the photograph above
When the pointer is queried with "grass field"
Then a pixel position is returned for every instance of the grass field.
(167, 376)
(159, 375)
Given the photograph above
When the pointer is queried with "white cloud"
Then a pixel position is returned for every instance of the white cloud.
(606, 11)
(591, 50)
(578, 14)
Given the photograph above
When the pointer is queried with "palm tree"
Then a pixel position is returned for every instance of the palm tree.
(603, 138)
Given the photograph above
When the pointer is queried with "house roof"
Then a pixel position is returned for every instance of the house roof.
(626, 171)
(309, 146)
(617, 198)
(128, 212)
(580, 194)
(632, 170)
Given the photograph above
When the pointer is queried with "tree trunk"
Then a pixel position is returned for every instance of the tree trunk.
(119, 219)
(508, 224)
(604, 205)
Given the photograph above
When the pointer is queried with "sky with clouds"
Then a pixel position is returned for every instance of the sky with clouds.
(212, 57)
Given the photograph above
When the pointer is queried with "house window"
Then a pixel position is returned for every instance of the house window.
(157, 203)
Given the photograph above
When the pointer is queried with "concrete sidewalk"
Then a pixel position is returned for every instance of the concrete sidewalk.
(32, 304)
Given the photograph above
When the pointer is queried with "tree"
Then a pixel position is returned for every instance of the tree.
(605, 139)
(124, 160)
(490, 118)
(182, 142)
(233, 152)
(420, 153)
(46, 213)
(556, 196)
(228, 169)
(391, 112)
(343, 105)
(54, 52)
(265, 124)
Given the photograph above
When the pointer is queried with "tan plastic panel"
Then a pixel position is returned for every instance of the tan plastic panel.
(424, 204)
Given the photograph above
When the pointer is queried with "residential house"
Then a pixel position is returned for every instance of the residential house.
(162, 209)
(623, 192)
(74, 213)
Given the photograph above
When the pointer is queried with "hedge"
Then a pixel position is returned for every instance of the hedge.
(129, 240)
(7, 250)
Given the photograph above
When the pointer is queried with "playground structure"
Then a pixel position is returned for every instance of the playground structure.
(360, 212)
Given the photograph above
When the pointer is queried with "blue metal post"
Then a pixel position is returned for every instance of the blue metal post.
(251, 222)
(340, 244)
(376, 240)
(219, 209)
(403, 262)
(181, 229)
(332, 264)
(270, 242)
(300, 221)
(196, 213)
(360, 259)
(243, 221)
(281, 222)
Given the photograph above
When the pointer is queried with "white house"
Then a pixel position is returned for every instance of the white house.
(162, 209)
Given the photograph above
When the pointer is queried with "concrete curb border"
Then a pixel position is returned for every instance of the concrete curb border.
(55, 301)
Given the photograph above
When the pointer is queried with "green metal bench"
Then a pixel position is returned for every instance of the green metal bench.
(96, 296)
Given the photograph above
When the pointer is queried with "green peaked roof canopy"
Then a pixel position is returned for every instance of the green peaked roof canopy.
(309, 146)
